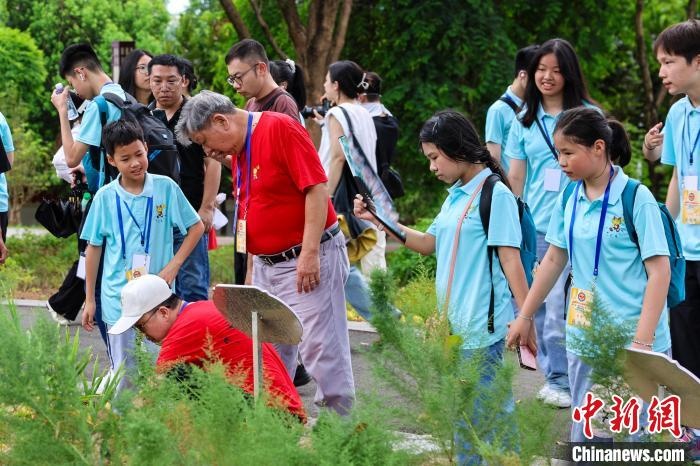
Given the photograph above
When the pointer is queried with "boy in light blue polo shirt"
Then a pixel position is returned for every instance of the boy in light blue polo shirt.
(502, 112)
(133, 217)
(678, 51)
(7, 143)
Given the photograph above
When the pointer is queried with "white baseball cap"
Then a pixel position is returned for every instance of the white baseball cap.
(139, 296)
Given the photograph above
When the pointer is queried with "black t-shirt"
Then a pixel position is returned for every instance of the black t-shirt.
(191, 165)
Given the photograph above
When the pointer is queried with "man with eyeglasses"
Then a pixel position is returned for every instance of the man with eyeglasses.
(199, 175)
(249, 74)
(194, 333)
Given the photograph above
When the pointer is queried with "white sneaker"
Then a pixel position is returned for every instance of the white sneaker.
(56, 316)
(544, 391)
(556, 398)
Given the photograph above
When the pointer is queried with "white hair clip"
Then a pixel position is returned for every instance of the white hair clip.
(363, 84)
(291, 64)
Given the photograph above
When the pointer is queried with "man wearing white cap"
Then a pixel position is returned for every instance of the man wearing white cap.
(197, 332)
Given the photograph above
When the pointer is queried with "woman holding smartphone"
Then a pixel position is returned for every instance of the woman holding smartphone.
(457, 157)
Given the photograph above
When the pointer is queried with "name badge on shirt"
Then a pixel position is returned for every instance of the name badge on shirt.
(579, 307)
(80, 272)
(552, 179)
(140, 264)
(690, 207)
(240, 237)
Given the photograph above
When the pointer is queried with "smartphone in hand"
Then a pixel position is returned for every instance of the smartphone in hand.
(526, 358)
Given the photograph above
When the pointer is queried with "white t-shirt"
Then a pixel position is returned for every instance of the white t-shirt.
(365, 133)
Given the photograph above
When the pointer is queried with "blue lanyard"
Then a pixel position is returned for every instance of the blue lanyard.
(238, 174)
(182, 308)
(686, 123)
(601, 223)
(145, 233)
(548, 140)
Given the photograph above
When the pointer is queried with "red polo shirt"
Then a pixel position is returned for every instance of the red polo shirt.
(284, 164)
(202, 334)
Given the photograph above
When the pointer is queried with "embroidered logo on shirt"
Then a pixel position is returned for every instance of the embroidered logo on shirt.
(617, 226)
(160, 211)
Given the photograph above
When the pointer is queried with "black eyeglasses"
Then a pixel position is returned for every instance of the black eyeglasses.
(238, 78)
(143, 69)
(142, 325)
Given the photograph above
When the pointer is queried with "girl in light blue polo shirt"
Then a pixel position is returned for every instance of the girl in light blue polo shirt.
(463, 280)
(590, 232)
(555, 83)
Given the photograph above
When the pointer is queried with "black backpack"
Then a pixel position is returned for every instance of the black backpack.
(162, 151)
(4, 160)
(387, 128)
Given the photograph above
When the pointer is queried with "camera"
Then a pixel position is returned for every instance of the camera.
(308, 112)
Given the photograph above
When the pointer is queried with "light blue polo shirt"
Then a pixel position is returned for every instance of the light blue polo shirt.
(681, 129)
(528, 144)
(91, 130)
(9, 147)
(170, 209)
(498, 120)
(471, 286)
(619, 256)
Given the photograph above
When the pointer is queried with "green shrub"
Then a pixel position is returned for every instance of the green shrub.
(37, 263)
(406, 265)
(50, 413)
(421, 361)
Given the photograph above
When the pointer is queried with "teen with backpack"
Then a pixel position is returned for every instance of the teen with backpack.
(554, 83)
(590, 231)
(464, 280)
(502, 112)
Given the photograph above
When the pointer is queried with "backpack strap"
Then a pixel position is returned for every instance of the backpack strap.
(485, 214)
(568, 191)
(510, 102)
(98, 160)
(272, 101)
(629, 193)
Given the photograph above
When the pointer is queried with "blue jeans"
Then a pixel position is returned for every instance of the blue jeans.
(192, 283)
(504, 421)
(550, 322)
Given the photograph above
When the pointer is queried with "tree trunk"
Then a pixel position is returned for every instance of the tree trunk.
(236, 20)
(651, 115)
(692, 9)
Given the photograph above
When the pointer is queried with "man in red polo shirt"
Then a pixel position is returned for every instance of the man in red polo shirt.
(194, 333)
(285, 221)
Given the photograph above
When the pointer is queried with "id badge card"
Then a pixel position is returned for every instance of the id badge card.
(80, 272)
(552, 179)
(140, 264)
(579, 307)
(240, 237)
(690, 207)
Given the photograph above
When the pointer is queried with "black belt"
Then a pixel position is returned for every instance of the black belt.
(293, 252)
